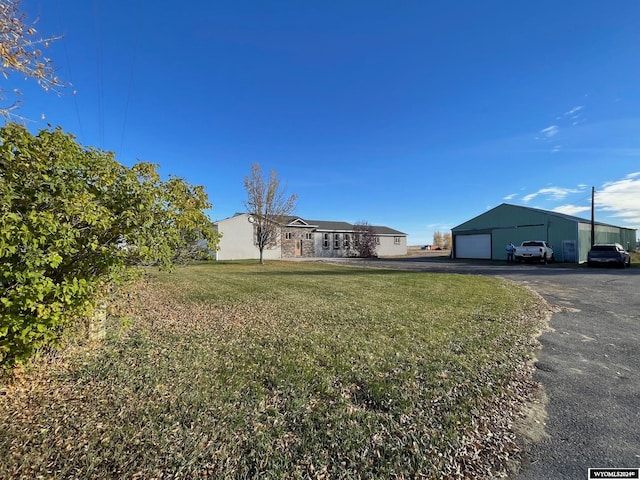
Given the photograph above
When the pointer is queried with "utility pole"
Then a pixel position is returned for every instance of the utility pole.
(593, 222)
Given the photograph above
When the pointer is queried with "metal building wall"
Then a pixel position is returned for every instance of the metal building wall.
(563, 237)
(510, 223)
(569, 236)
(628, 239)
(605, 234)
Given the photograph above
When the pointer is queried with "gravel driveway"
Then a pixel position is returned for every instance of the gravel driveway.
(589, 364)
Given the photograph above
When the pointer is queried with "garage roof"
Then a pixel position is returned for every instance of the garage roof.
(538, 210)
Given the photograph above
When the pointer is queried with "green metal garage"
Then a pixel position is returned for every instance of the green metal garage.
(487, 235)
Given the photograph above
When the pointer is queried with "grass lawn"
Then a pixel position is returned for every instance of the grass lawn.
(287, 370)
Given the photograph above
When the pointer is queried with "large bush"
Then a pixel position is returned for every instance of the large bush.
(73, 221)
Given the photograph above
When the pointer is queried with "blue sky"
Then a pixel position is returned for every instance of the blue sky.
(418, 115)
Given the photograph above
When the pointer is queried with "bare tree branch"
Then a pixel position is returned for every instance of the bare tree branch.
(364, 240)
(21, 51)
(269, 205)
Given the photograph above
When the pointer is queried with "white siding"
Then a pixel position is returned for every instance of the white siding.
(388, 246)
(237, 241)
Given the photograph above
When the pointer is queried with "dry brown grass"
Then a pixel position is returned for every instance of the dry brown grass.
(284, 371)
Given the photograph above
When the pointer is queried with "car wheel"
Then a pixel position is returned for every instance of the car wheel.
(544, 259)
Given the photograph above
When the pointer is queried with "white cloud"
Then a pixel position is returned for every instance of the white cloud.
(570, 118)
(573, 111)
(574, 115)
(557, 193)
(622, 199)
(510, 196)
(550, 131)
(552, 193)
(571, 209)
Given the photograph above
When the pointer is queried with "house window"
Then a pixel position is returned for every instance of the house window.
(396, 240)
(308, 236)
(325, 241)
(336, 240)
(288, 235)
(347, 240)
(377, 240)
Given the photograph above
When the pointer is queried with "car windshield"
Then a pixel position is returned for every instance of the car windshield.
(532, 244)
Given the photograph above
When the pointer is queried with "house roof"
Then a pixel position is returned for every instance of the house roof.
(330, 225)
(382, 230)
(334, 226)
(237, 214)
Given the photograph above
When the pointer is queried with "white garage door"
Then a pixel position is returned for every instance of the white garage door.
(473, 246)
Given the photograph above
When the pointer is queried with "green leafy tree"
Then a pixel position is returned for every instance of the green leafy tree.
(268, 205)
(74, 222)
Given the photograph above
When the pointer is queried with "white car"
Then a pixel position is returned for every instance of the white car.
(537, 250)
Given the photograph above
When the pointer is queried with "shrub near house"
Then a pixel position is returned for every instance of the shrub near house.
(65, 215)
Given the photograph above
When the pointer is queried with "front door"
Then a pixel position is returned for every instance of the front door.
(298, 247)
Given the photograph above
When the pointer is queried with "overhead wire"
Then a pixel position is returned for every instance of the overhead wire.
(98, 24)
(68, 60)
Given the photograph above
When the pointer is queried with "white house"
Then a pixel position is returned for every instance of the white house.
(302, 238)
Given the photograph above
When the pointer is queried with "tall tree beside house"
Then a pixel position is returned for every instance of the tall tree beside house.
(447, 241)
(21, 53)
(438, 239)
(364, 240)
(268, 205)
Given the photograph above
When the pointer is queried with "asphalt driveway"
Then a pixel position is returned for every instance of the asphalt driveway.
(589, 364)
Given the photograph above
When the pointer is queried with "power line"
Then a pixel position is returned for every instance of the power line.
(100, 70)
(68, 60)
(136, 40)
(75, 97)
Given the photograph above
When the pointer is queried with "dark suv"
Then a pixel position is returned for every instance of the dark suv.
(608, 254)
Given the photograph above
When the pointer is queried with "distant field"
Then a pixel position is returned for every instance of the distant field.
(288, 370)
(416, 251)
